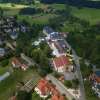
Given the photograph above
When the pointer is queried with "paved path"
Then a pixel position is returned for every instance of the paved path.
(62, 89)
(10, 46)
(27, 59)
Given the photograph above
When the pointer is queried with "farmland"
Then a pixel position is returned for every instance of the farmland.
(89, 14)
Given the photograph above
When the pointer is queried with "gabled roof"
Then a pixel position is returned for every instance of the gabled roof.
(58, 47)
(55, 35)
(61, 61)
(47, 87)
(42, 86)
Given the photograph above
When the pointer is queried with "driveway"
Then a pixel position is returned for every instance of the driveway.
(69, 75)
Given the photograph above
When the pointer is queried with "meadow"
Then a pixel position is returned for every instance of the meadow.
(89, 14)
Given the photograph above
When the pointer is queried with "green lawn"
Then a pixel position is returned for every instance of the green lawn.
(58, 6)
(3, 70)
(11, 12)
(38, 18)
(8, 86)
(89, 92)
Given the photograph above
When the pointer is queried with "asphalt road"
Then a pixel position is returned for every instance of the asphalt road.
(62, 89)
(76, 59)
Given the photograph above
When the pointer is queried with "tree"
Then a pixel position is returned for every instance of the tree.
(90, 95)
(35, 95)
(56, 74)
(23, 95)
(68, 84)
(4, 62)
(1, 12)
(40, 58)
(75, 83)
(86, 70)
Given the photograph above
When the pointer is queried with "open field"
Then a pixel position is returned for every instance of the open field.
(90, 14)
(38, 18)
(8, 86)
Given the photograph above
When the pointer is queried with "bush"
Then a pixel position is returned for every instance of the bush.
(56, 74)
(68, 84)
(4, 63)
(75, 83)
(23, 95)
(27, 11)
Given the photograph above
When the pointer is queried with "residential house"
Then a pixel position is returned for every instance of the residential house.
(54, 36)
(24, 66)
(18, 64)
(95, 78)
(59, 47)
(62, 64)
(47, 30)
(46, 88)
(14, 35)
(2, 52)
(23, 28)
(2, 40)
(57, 97)
(42, 88)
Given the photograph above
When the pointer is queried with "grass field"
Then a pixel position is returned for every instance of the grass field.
(3, 70)
(8, 86)
(38, 18)
(12, 6)
(90, 14)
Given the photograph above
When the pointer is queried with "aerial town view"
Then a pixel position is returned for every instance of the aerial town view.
(49, 49)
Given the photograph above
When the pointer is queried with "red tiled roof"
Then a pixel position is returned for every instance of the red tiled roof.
(61, 61)
(57, 97)
(43, 86)
(62, 98)
(16, 61)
